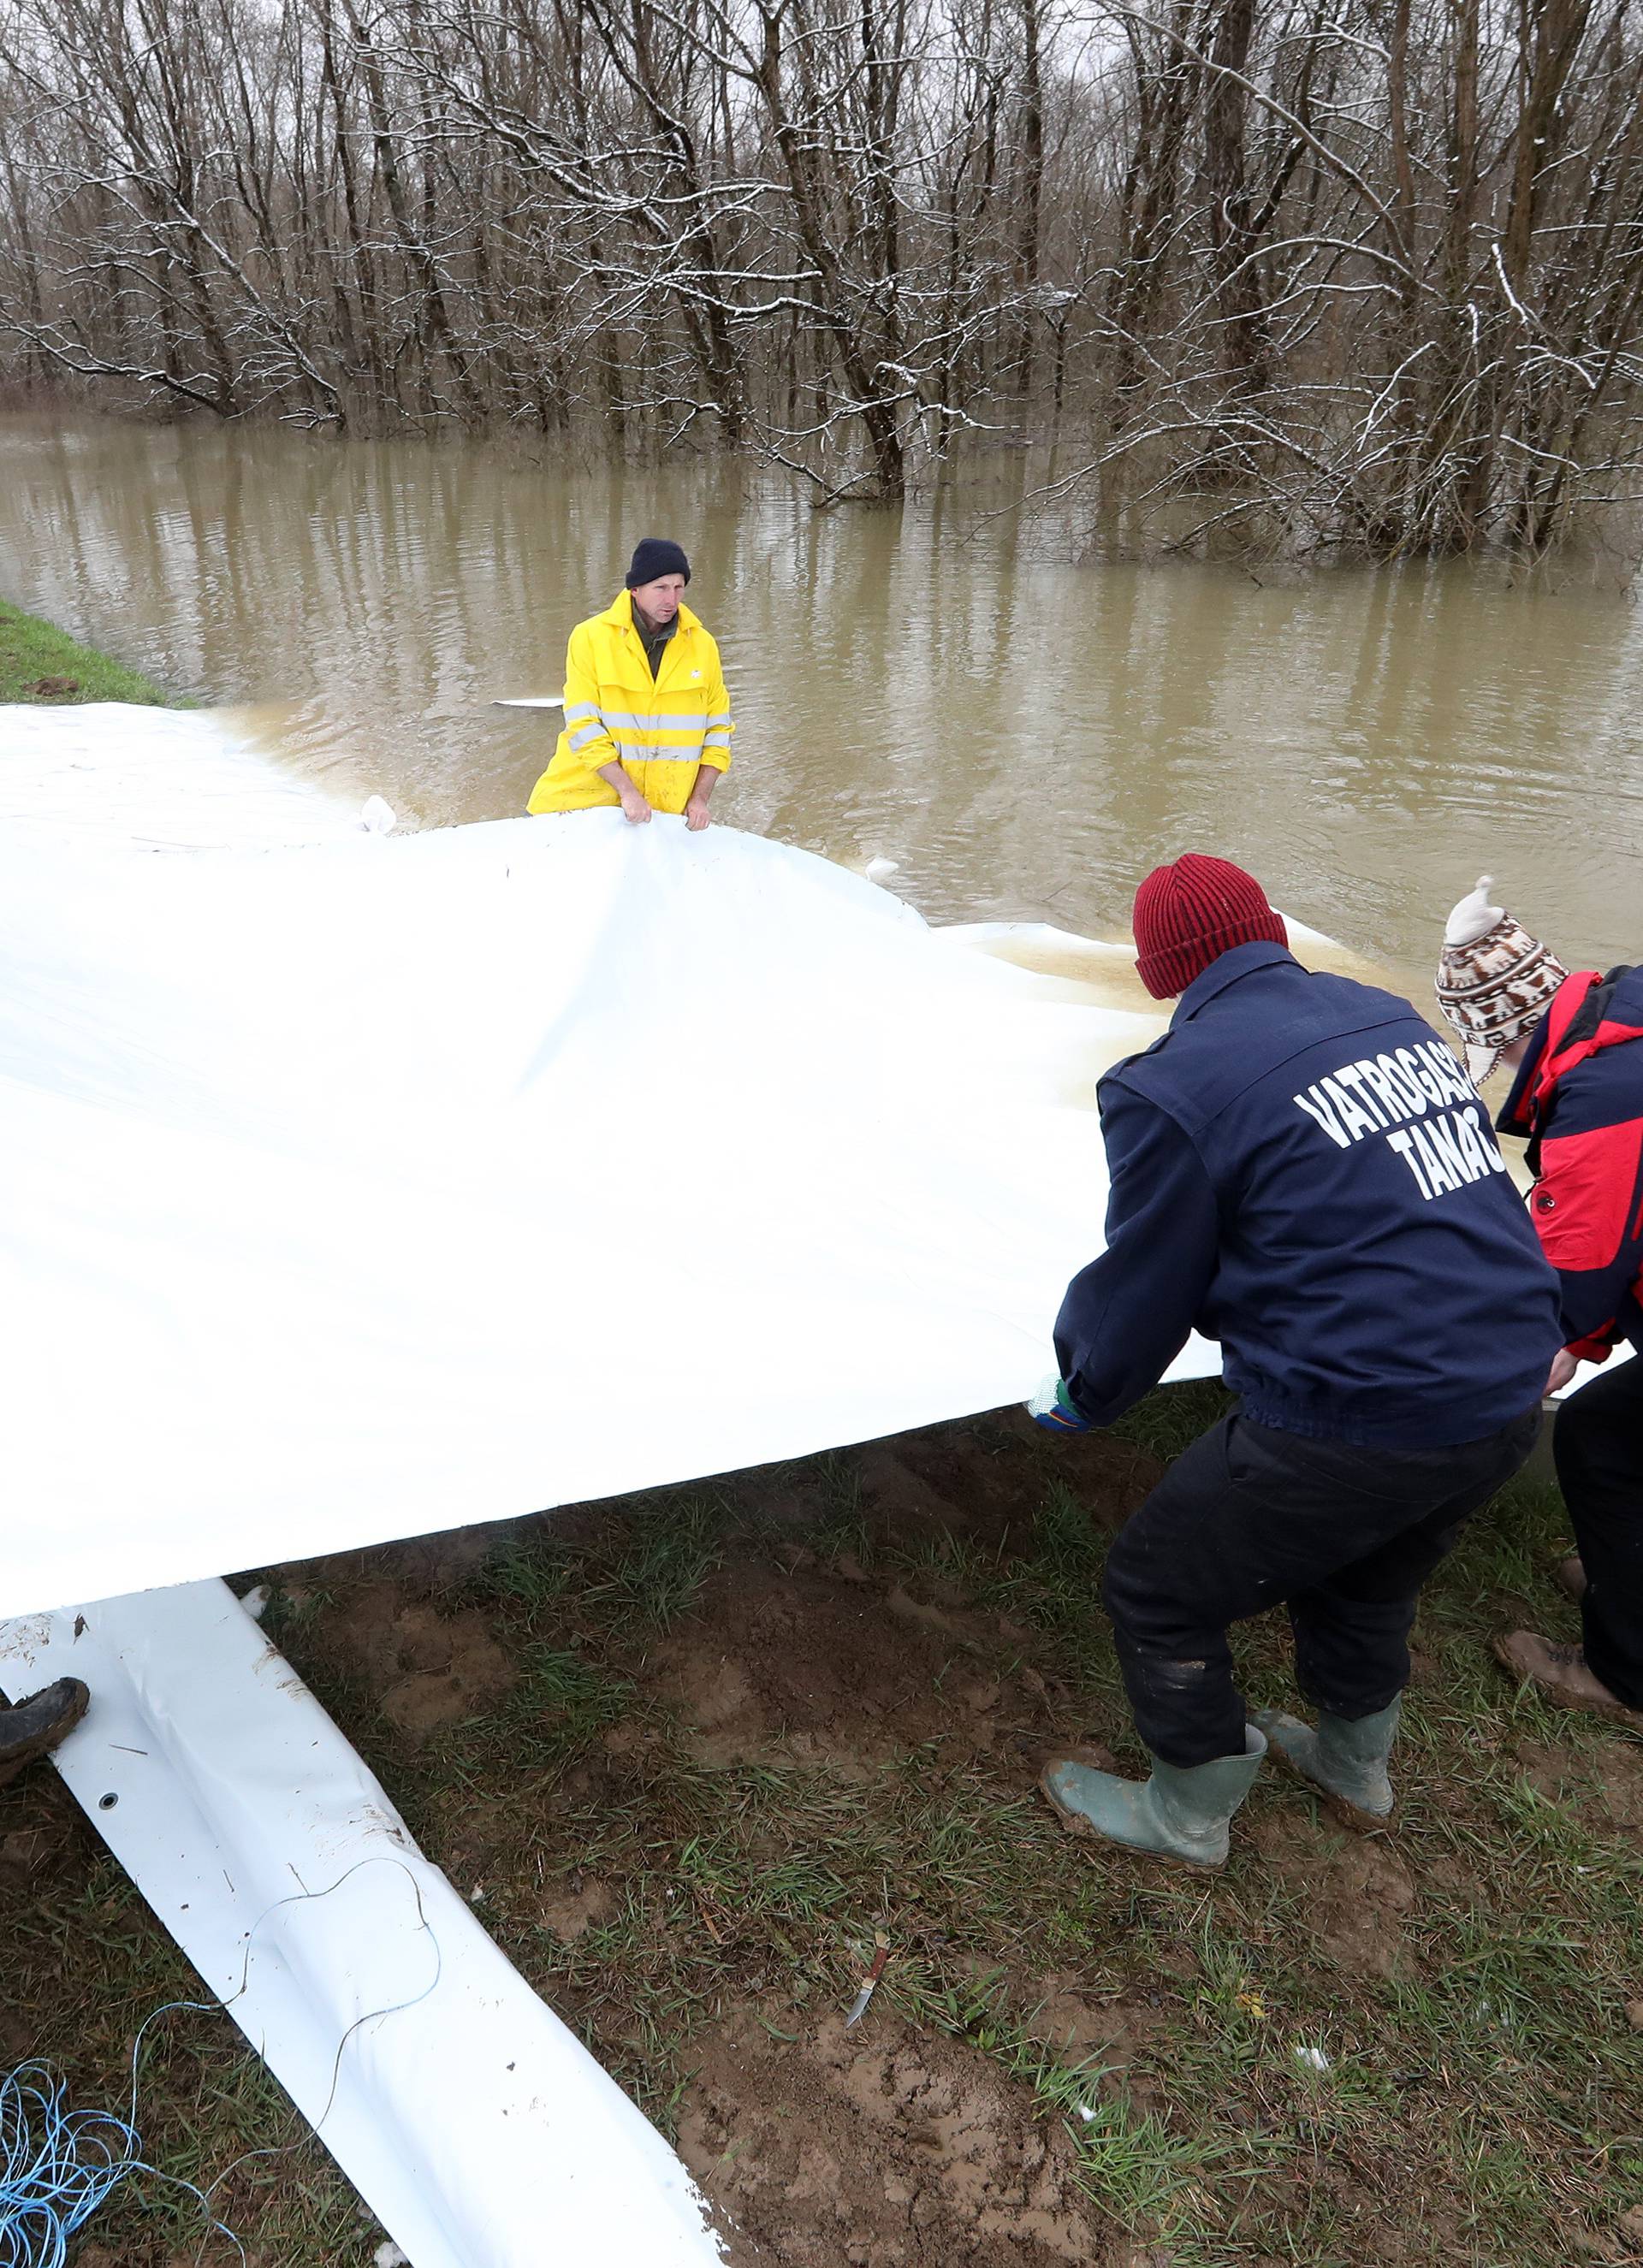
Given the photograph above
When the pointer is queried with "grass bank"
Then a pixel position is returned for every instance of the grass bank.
(692, 1754)
(40, 663)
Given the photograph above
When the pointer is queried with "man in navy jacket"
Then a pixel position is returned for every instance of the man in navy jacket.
(1302, 1171)
(1577, 1095)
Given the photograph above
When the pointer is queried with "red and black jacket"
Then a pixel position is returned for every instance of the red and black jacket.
(1579, 1097)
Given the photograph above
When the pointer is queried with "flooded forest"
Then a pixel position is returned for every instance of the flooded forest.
(1359, 277)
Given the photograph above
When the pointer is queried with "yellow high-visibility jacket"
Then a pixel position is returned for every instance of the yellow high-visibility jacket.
(660, 729)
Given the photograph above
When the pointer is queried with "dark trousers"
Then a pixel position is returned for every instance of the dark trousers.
(1249, 1517)
(1598, 1443)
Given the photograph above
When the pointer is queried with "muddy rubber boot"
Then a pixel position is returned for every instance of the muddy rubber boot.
(1344, 1758)
(1181, 1813)
(31, 1728)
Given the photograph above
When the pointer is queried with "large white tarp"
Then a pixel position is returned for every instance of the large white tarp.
(154, 779)
(363, 1186)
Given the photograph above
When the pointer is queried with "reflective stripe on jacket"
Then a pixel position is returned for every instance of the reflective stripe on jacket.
(659, 729)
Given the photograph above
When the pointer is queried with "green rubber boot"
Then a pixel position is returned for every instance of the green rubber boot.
(1345, 1759)
(1181, 1813)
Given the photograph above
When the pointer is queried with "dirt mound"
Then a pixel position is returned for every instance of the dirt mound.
(578, 1906)
(809, 1663)
(427, 1670)
(1359, 1893)
(885, 2147)
(1364, 1895)
(1611, 1781)
(1079, 2031)
(986, 1479)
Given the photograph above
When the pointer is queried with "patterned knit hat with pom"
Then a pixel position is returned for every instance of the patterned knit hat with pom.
(1189, 914)
(1495, 981)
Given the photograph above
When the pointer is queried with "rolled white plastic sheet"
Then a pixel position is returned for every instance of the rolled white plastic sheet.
(474, 2124)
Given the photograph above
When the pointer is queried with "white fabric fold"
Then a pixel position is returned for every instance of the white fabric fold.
(386, 1184)
(463, 2111)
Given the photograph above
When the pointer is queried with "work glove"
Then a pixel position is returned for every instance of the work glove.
(1052, 1408)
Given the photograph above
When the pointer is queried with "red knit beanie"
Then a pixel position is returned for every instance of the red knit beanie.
(1189, 914)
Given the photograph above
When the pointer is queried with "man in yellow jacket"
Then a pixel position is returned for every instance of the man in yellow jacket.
(647, 716)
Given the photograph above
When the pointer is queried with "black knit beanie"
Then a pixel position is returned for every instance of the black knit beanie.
(654, 557)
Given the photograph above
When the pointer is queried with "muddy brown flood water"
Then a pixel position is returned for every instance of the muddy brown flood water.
(1026, 735)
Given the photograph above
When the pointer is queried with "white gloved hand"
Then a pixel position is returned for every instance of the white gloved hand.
(1051, 1407)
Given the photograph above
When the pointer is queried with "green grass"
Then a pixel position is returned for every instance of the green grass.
(86, 1965)
(1481, 2101)
(40, 665)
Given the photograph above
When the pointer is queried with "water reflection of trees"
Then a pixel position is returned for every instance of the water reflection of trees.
(1365, 273)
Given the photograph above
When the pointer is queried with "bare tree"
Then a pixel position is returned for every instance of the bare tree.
(1364, 273)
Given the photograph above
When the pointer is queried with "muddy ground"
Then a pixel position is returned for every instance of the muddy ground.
(694, 1756)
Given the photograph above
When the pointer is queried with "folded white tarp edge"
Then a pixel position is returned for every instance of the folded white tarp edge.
(469, 2118)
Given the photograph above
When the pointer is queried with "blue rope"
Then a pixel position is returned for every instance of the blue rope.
(57, 2167)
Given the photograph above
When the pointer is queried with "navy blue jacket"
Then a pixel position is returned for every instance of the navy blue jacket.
(1303, 1170)
(1579, 1097)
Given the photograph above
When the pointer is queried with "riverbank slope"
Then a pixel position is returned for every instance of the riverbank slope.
(39, 663)
(688, 1753)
